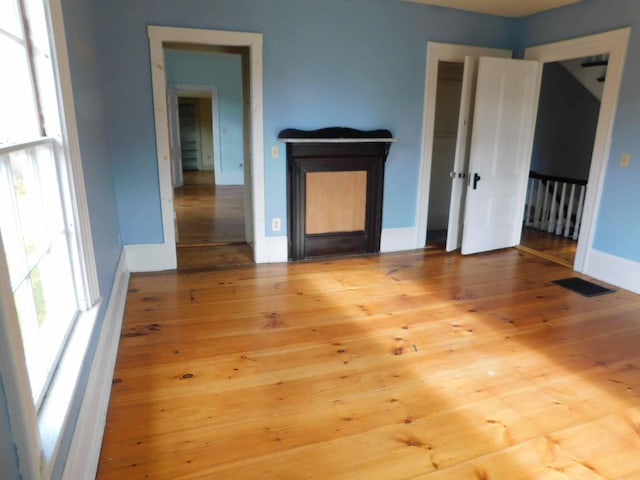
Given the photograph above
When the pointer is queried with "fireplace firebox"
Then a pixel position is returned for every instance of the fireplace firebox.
(335, 179)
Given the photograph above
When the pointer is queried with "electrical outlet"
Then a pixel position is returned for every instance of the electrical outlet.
(275, 151)
(276, 224)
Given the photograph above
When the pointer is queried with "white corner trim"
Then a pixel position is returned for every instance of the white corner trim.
(84, 452)
(438, 52)
(271, 249)
(615, 270)
(153, 257)
(398, 239)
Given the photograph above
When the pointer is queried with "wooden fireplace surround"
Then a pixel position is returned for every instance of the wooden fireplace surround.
(334, 150)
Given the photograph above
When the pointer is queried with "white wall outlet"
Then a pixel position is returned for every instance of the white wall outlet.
(276, 224)
(625, 159)
(275, 151)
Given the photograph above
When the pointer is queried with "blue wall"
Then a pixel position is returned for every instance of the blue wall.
(225, 72)
(566, 125)
(618, 226)
(356, 63)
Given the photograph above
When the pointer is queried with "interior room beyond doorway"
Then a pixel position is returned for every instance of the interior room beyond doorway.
(210, 197)
(445, 135)
(568, 110)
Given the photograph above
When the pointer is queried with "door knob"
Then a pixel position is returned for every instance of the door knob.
(476, 179)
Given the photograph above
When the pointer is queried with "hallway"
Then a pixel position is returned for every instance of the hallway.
(210, 223)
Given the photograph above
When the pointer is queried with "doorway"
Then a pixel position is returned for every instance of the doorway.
(163, 256)
(567, 119)
(209, 123)
(614, 43)
(483, 130)
(438, 53)
(449, 92)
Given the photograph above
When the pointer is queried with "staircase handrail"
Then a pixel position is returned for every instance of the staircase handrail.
(551, 178)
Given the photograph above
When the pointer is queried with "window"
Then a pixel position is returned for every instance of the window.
(38, 223)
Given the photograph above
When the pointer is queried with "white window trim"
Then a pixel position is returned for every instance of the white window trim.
(36, 438)
(72, 145)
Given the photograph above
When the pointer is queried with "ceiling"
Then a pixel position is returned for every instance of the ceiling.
(506, 8)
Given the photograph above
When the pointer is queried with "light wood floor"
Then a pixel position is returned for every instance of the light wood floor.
(210, 224)
(416, 365)
(208, 214)
(554, 246)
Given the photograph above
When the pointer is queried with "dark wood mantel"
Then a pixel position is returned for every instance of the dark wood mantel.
(335, 179)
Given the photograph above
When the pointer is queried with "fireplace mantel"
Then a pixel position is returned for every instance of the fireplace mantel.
(335, 180)
(335, 135)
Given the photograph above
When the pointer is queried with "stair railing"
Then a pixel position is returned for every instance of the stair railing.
(555, 204)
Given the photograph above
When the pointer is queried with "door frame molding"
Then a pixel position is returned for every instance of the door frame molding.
(158, 35)
(438, 52)
(615, 43)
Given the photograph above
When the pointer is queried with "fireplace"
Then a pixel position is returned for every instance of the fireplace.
(335, 179)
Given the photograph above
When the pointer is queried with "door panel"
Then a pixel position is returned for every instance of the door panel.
(461, 160)
(503, 127)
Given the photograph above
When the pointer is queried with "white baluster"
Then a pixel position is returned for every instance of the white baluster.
(531, 209)
(576, 230)
(567, 228)
(554, 207)
(538, 211)
(561, 209)
(545, 208)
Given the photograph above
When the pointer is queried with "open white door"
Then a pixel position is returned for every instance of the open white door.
(504, 120)
(461, 160)
(174, 137)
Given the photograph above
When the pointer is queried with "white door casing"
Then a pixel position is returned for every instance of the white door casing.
(173, 114)
(461, 160)
(615, 43)
(506, 107)
(163, 256)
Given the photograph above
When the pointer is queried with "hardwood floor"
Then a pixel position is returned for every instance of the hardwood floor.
(553, 246)
(207, 214)
(416, 365)
(210, 221)
(209, 257)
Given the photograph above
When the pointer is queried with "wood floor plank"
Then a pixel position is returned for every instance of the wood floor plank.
(395, 366)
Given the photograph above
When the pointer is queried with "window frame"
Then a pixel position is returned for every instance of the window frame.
(36, 437)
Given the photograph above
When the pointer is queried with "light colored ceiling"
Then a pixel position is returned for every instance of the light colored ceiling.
(506, 8)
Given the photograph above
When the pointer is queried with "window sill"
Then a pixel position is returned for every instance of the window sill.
(53, 418)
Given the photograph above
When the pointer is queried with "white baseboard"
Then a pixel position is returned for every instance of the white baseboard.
(398, 239)
(271, 249)
(150, 257)
(84, 452)
(615, 270)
